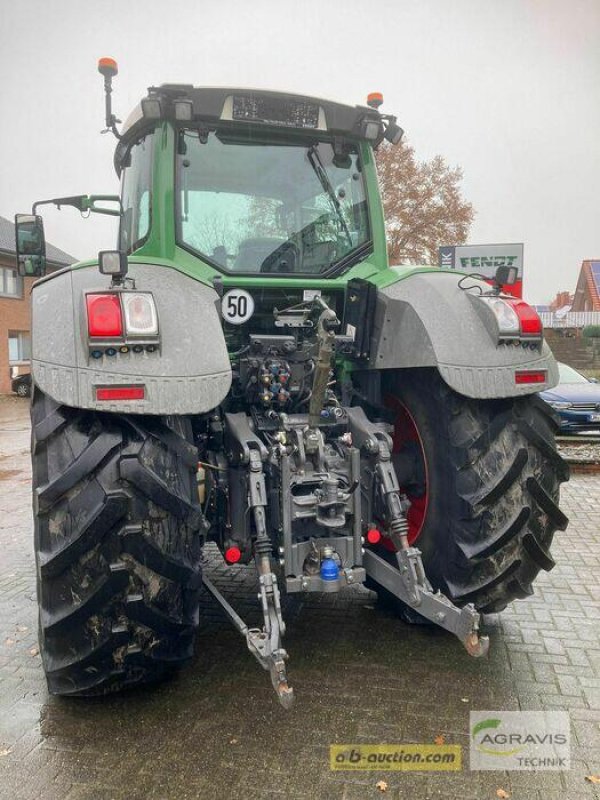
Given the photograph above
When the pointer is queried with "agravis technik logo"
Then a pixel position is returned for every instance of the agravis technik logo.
(494, 744)
(522, 740)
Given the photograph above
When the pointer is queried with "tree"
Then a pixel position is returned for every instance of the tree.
(423, 205)
(263, 217)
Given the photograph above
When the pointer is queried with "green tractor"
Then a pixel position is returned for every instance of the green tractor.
(247, 369)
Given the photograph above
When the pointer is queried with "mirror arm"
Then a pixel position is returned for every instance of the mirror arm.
(103, 198)
(84, 203)
(109, 211)
(77, 202)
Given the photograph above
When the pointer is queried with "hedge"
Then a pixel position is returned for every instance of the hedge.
(591, 332)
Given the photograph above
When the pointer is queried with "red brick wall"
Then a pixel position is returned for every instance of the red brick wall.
(561, 299)
(15, 315)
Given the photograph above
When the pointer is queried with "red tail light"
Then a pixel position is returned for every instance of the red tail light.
(120, 392)
(104, 315)
(530, 376)
(530, 323)
(515, 318)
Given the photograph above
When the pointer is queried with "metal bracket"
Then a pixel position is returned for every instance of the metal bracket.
(265, 643)
(408, 581)
(409, 584)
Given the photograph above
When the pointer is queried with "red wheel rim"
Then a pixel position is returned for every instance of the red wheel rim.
(406, 432)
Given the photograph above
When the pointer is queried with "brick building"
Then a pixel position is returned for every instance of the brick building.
(562, 300)
(15, 313)
(587, 293)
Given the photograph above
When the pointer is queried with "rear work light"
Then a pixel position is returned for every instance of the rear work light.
(515, 318)
(120, 392)
(105, 318)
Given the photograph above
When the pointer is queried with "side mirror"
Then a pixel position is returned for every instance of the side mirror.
(30, 245)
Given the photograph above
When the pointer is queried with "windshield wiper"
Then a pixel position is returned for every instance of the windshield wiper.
(319, 170)
(352, 258)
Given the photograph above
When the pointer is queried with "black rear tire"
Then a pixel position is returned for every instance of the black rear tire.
(491, 473)
(117, 541)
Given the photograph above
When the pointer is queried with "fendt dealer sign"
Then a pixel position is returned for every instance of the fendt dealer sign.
(485, 259)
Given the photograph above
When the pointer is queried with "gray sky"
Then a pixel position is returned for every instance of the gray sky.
(507, 89)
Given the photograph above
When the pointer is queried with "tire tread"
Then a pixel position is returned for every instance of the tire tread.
(117, 538)
(497, 473)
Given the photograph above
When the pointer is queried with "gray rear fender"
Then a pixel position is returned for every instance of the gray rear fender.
(189, 373)
(427, 320)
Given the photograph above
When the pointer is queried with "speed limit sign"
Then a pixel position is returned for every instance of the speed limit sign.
(237, 306)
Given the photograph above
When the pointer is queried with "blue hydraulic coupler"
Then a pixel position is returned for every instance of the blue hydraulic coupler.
(329, 570)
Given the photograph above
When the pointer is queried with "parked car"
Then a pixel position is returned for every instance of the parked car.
(576, 399)
(22, 385)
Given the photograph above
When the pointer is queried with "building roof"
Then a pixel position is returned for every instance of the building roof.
(587, 292)
(7, 245)
(595, 274)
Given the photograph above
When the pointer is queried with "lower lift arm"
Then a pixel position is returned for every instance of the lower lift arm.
(408, 580)
(264, 643)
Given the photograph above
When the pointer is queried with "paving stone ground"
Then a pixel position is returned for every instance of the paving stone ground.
(360, 676)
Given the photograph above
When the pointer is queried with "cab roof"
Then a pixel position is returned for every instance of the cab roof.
(254, 106)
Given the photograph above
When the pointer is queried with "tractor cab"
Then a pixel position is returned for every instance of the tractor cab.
(263, 182)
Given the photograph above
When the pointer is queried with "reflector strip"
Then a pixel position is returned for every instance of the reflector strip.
(526, 376)
(120, 392)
